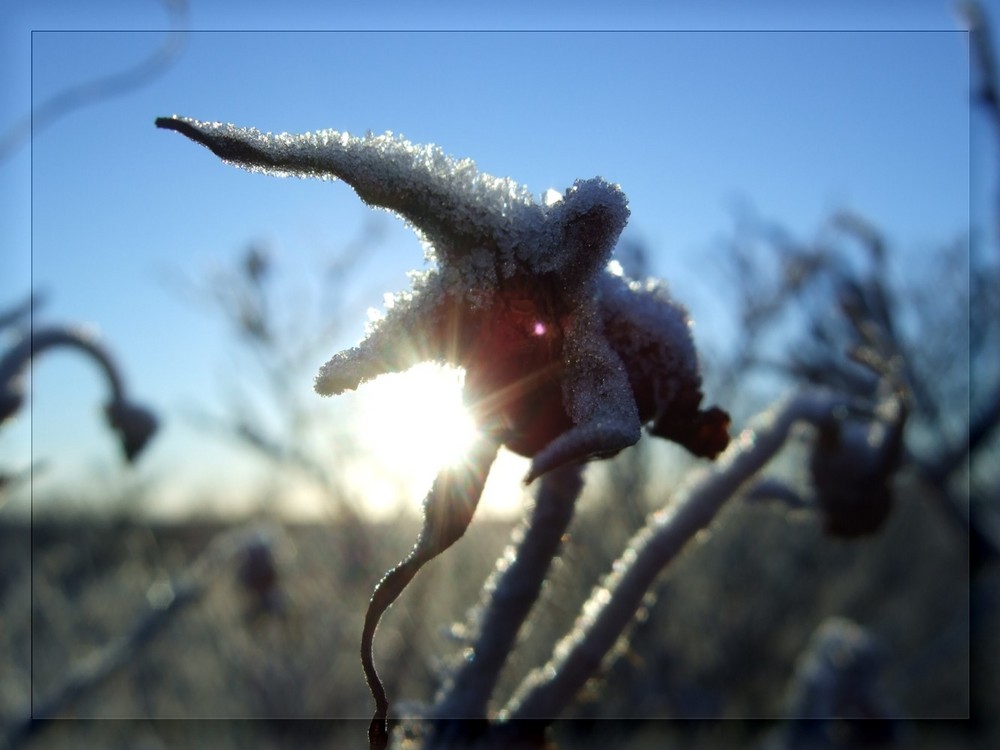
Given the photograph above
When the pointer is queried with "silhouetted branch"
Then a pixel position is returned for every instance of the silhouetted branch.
(448, 510)
(134, 424)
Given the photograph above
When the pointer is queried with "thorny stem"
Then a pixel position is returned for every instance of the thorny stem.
(546, 692)
(510, 593)
(448, 511)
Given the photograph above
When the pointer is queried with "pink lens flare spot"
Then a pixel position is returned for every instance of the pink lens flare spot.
(539, 328)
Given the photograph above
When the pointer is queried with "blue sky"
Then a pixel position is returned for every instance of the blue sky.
(797, 115)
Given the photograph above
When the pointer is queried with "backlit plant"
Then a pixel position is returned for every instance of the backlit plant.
(565, 360)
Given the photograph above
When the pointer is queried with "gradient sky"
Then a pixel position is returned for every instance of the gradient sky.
(795, 115)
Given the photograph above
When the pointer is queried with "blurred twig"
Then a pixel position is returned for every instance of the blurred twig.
(134, 424)
(269, 411)
(166, 601)
(835, 701)
(19, 315)
(105, 87)
(983, 57)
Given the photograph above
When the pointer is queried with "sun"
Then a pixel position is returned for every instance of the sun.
(414, 423)
(409, 427)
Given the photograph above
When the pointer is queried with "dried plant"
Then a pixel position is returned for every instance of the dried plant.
(565, 360)
(263, 409)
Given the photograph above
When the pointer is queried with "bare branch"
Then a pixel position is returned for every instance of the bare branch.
(134, 424)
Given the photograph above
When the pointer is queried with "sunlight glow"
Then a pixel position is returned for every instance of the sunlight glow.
(412, 425)
(417, 418)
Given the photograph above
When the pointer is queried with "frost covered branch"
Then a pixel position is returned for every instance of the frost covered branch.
(614, 603)
(509, 596)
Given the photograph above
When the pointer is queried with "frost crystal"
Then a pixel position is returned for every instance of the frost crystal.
(565, 358)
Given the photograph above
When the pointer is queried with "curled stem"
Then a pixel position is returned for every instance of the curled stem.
(448, 510)
(14, 362)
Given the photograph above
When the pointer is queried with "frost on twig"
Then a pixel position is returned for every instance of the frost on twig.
(508, 598)
(854, 457)
(548, 690)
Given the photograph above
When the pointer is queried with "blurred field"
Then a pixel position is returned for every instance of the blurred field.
(719, 642)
